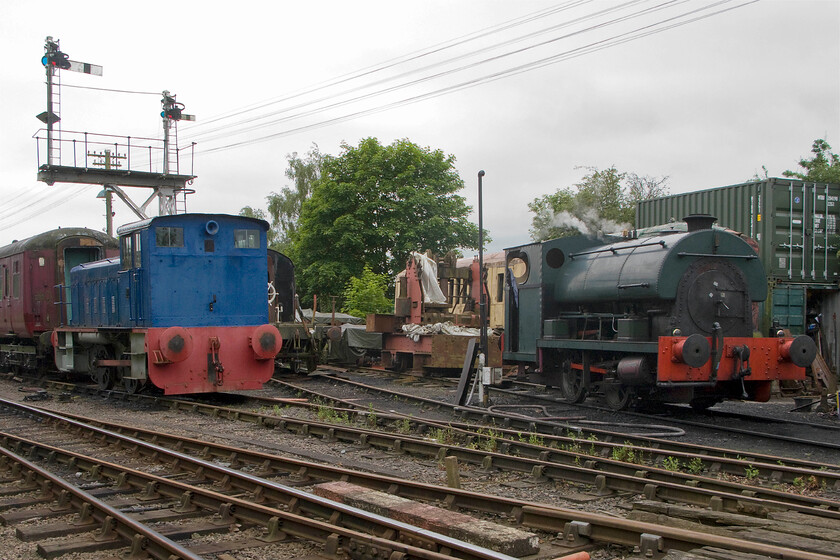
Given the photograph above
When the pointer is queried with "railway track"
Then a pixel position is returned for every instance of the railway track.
(601, 443)
(236, 498)
(558, 457)
(615, 454)
(192, 459)
(683, 416)
(675, 414)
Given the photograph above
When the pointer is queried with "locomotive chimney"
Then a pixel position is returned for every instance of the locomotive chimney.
(697, 222)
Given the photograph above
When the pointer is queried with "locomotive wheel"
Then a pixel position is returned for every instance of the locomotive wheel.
(573, 385)
(133, 386)
(104, 379)
(102, 376)
(618, 396)
(294, 365)
(311, 364)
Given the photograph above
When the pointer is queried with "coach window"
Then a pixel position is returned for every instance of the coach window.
(246, 238)
(16, 279)
(125, 252)
(4, 283)
(169, 237)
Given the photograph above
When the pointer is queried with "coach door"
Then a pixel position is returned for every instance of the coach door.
(74, 256)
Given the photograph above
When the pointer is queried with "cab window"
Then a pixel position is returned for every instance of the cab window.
(138, 261)
(246, 238)
(169, 237)
(125, 252)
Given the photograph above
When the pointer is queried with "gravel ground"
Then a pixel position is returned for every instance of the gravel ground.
(249, 436)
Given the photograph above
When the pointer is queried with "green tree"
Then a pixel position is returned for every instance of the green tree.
(824, 167)
(646, 187)
(374, 204)
(552, 215)
(284, 207)
(604, 201)
(367, 294)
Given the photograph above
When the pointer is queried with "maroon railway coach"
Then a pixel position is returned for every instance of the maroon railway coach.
(33, 272)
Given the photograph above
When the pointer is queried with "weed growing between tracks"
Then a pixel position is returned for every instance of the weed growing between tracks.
(333, 416)
(672, 464)
(403, 426)
(491, 439)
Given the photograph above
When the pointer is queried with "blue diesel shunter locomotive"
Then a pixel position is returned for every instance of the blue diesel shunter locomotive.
(183, 307)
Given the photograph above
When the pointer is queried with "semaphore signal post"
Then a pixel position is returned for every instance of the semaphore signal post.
(77, 157)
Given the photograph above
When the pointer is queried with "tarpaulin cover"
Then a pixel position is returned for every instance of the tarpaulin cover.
(429, 280)
(439, 328)
(354, 343)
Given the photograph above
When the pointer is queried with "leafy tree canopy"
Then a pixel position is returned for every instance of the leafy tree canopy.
(367, 294)
(823, 167)
(284, 207)
(605, 201)
(372, 206)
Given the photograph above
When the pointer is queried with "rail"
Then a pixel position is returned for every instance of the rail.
(613, 249)
(304, 508)
(717, 255)
(95, 512)
(577, 527)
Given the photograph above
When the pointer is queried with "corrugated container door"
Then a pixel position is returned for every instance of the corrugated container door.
(825, 239)
(789, 307)
(805, 240)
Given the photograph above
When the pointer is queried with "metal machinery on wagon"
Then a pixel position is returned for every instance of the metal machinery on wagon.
(183, 308)
(661, 318)
(30, 270)
(425, 333)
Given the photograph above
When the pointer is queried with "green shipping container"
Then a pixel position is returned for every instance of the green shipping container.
(788, 307)
(794, 222)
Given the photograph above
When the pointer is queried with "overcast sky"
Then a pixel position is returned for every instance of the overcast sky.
(520, 89)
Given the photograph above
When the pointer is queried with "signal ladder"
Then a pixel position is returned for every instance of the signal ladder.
(170, 164)
(181, 201)
(54, 145)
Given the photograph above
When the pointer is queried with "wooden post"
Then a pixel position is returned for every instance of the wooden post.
(453, 476)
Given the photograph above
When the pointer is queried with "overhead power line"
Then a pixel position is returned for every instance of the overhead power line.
(638, 33)
(232, 127)
(49, 200)
(114, 90)
(416, 55)
(225, 126)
